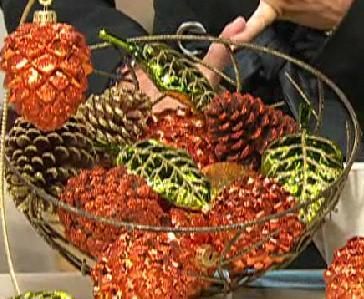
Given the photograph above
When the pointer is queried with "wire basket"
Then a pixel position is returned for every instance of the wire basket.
(243, 252)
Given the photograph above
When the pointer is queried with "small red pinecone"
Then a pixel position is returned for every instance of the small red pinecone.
(247, 200)
(241, 127)
(46, 69)
(184, 130)
(111, 194)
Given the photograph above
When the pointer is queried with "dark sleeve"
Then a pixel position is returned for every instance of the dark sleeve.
(88, 16)
(342, 58)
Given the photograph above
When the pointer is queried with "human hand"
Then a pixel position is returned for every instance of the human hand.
(147, 86)
(218, 55)
(317, 14)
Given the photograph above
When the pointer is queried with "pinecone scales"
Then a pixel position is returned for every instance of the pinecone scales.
(118, 116)
(47, 160)
(241, 127)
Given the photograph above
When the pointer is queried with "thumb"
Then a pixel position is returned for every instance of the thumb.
(264, 16)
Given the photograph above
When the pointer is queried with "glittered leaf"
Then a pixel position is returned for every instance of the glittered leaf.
(169, 171)
(44, 295)
(305, 165)
(169, 70)
(223, 174)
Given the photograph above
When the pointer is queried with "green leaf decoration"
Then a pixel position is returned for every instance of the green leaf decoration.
(169, 70)
(44, 295)
(169, 171)
(305, 165)
(222, 174)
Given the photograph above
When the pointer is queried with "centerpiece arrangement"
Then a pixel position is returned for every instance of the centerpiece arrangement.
(170, 204)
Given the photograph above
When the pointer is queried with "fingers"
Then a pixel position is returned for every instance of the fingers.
(218, 55)
(261, 18)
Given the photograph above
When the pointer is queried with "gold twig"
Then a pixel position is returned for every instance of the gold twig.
(99, 46)
(2, 198)
(26, 11)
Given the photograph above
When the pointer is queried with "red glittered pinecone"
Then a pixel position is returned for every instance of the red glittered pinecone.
(345, 276)
(111, 194)
(241, 127)
(149, 266)
(46, 69)
(249, 199)
(184, 130)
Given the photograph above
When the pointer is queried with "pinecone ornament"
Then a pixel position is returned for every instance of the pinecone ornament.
(150, 266)
(241, 127)
(260, 245)
(46, 65)
(112, 194)
(183, 129)
(47, 160)
(345, 276)
(118, 116)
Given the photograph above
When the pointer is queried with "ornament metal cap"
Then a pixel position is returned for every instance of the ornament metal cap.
(45, 16)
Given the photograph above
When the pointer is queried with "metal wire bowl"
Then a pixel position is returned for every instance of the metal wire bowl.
(49, 227)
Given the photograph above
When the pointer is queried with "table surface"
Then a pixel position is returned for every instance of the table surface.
(80, 287)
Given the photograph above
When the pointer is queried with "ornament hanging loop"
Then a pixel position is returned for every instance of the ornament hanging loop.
(45, 16)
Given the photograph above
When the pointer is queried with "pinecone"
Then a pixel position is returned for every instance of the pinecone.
(46, 69)
(241, 127)
(345, 276)
(118, 116)
(185, 130)
(150, 266)
(107, 193)
(247, 200)
(46, 160)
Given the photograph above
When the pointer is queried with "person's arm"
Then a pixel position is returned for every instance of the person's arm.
(88, 16)
(342, 58)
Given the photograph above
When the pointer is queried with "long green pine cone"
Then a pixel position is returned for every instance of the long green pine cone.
(305, 165)
(44, 295)
(168, 69)
(170, 172)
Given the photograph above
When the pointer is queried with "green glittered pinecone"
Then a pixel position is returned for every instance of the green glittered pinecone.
(117, 116)
(241, 127)
(46, 160)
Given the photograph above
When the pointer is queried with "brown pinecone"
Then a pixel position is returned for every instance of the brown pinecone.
(117, 116)
(247, 200)
(241, 127)
(107, 193)
(46, 160)
(184, 130)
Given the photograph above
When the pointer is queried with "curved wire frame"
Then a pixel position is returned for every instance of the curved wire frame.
(53, 233)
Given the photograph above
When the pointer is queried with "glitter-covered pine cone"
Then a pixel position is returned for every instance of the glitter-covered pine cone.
(345, 276)
(47, 160)
(111, 194)
(150, 266)
(117, 116)
(184, 130)
(46, 69)
(241, 127)
(250, 199)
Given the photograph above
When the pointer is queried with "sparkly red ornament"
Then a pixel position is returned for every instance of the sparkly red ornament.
(46, 66)
(345, 276)
(149, 266)
(261, 245)
(183, 129)
(112, 194)
(241, 127)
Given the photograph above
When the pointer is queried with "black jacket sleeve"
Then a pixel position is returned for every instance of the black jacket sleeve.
(342, 58)
(88, 16)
